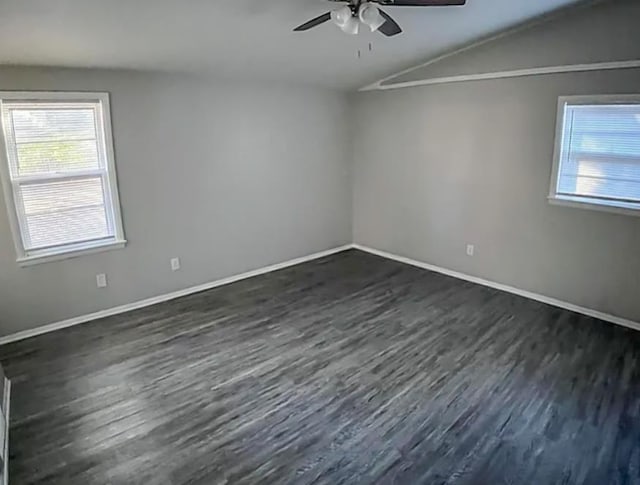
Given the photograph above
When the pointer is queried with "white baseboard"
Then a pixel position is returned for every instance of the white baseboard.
(274, 267)
(509, 289)
(169, 296)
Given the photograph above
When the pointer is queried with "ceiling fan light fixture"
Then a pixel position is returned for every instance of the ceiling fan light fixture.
(341, 16)
(352, 27)
(357, 12)
(371, 17)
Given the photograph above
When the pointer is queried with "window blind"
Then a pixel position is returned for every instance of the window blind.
(600, 154)
(58, 172)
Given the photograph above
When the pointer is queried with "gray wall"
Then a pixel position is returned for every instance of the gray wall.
(227, 177)
(441, 166)
(601, 32)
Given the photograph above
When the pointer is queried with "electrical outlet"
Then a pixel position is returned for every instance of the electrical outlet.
(175, 264)
(470, 249)
(101, 280)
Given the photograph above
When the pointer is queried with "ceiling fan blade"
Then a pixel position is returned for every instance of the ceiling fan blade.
(420, 3)
(390, 27)
(313, 23)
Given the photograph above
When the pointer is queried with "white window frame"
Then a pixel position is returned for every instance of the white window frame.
(577, 201)
(112, 200)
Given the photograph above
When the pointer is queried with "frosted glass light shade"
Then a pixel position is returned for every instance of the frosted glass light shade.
(341, 16)
(370, 16)
(352, 26)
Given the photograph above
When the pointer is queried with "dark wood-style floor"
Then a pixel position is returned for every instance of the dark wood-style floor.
(350, 369)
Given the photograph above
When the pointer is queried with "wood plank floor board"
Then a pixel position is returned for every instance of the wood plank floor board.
(349, 369)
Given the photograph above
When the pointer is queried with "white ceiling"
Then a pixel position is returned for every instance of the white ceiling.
(247, 38)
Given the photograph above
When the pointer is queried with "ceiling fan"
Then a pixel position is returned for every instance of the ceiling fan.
(363, 12)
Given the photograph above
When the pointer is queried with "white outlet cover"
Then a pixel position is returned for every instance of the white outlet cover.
(101, 280)
(470, 249)
(175, 264)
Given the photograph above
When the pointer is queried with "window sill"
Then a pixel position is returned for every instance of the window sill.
(71, 252)
(628, 209)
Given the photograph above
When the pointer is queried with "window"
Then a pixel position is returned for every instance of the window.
(59, 175)
(597, 155)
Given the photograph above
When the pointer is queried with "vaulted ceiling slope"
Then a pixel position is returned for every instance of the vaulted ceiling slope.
(241, 38)
(598, 33)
